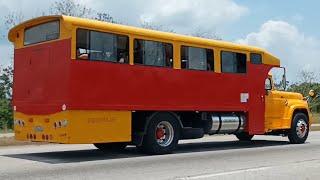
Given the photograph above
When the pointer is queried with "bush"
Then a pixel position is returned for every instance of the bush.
(6, 115)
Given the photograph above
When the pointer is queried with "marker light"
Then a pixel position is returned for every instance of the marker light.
(64, 107)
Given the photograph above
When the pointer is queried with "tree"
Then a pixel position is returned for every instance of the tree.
(206, 34)
(6, 77)
(12, 19)
(6, 114)
(198, 33)
(157, 27)
(307, 76)
(306, 82)
(73, 8)
(105, 17)
(70, 8)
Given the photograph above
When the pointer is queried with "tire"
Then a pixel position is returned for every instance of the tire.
(111, 147)
(162, 134)
(299, 131)
(244, 136)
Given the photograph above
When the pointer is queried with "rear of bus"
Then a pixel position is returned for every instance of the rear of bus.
(41, 90)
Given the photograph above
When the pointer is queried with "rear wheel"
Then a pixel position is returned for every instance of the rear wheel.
(299, 131)
(111, 147)
(162, 135)
(244, 136)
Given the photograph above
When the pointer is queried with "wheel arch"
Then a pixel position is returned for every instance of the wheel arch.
(149, 118)
(303, 110)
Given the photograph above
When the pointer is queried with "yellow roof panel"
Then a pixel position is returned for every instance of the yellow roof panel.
(100, 25)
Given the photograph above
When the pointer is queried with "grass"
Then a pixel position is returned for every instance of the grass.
(9, 131)
(316, 118)
(10, 141)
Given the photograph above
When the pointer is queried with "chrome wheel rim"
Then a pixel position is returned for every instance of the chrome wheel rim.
(301, 128)
(164, 133)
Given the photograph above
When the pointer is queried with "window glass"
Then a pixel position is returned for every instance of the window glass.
(153, 53)
(41, 33)
(256, 58)
(93, 45)
(232, 62)
(268, 84)
(196, 58)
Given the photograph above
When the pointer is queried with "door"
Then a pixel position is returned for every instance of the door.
(275, 109)
(256, 118)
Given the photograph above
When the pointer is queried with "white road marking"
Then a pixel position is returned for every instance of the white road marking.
(206, 176)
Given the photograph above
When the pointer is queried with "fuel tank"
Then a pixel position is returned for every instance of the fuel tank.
(226, 123)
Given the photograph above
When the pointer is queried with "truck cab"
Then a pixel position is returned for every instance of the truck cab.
(286, 112)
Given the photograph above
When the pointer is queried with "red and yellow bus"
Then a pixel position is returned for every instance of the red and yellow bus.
(85, 81)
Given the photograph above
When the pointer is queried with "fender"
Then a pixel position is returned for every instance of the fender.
(299, 107)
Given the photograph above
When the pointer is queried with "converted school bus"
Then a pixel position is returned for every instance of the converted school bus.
(85, 81)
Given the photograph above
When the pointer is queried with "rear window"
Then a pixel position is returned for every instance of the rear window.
(41, 33)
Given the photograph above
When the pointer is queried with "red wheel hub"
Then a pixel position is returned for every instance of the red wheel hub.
(302, 128)
(159, 133)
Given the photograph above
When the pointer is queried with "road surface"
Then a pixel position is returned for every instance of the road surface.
(215, 157)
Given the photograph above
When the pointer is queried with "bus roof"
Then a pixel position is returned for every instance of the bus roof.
(100, 25)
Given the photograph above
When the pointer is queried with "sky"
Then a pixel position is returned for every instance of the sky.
(289, 29)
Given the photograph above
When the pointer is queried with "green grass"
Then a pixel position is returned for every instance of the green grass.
(316, 118)
(9, 131)
(9, 141)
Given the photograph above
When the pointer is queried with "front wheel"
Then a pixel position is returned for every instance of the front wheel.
(299, 131)
(162, 136)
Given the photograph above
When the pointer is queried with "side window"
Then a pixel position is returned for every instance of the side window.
(197, 58)
(255, 58)
(153, 53)
(93, 45)
(232, 62)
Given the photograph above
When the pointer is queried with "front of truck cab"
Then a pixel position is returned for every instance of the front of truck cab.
(286, 112)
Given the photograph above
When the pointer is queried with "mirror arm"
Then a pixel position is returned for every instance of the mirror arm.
(284, 78)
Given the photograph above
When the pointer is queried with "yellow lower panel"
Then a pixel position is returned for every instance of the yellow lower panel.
(74, 127)
(276, 124)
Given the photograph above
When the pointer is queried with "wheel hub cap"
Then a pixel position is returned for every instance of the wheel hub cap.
(160, 133)
(301, 128)
(164, 133)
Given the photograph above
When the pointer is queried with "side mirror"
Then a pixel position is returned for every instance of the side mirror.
(284, 79)
(268, 84)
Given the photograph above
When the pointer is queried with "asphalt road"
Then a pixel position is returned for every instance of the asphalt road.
(215, 157)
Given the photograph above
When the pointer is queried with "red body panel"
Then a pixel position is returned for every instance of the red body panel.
(46, 78)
